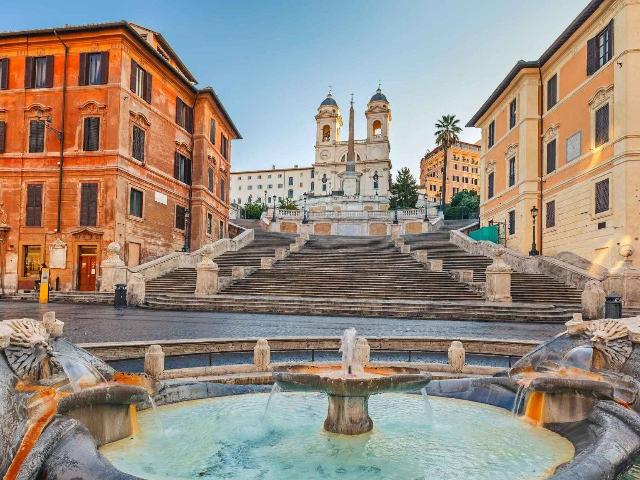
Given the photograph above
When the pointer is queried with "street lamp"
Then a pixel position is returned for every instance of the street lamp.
(305, 219)
(187, 221)
(534, 249)
(273, 218)
(395, 215)
(426, 210)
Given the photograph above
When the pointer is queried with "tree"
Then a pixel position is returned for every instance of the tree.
(404, 191)
(447, 134)
(253, 209)
(287, 204)
(466, 199)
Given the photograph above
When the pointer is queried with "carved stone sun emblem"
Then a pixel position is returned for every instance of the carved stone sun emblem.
(611, 338)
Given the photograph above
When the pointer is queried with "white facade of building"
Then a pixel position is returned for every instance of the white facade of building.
(325, 177)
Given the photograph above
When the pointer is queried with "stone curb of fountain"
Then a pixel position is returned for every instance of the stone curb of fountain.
(175, 391)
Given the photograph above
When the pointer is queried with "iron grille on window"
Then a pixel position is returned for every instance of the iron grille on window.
(210, 180)
(138, 143)
(551, 214)
(180, 217)
(490, 182)
(36, 136)
(552, 91)
(492, 134)
(512, 222)
(602, 196)
(551, 156)
(512, 171)
(512, 113)
(602, 125)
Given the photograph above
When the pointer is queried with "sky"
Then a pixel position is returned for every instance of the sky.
(272, 61)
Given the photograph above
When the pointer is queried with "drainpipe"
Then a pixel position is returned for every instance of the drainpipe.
(64, 102)
(193, 151)
(540, 156)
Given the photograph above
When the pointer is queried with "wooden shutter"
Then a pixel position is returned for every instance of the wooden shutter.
(610, 29)
(83, 70)
(49, 79)
(36, 136)
(592, 56)
(3, 134)
(189, 120)
(104, 68)
(187, 171)
(176, 166)
(4, 73)
(91, 134)
(147, 87)
(34, 205)
(551, 156)
(28, 73)
(132, 77)
(212, 132)
(89, 204)
(138, 143)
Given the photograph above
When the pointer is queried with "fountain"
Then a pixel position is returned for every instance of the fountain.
(348, 386)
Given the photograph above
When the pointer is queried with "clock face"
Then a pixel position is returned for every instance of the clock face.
(324, 154)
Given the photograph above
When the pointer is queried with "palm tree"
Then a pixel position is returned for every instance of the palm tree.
(447, 131)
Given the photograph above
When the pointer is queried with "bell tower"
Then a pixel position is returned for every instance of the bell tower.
(328, 122)
(378, 118)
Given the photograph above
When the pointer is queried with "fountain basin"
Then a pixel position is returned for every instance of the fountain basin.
(348, 394)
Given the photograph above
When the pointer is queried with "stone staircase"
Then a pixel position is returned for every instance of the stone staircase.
(183, 280)
(525, 287)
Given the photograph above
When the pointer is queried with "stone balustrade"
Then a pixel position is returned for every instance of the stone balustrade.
(456, 356)
(498, 284)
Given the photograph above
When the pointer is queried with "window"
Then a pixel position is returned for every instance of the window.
(602, 125)
(290, 193)
(32, 255)
(221, 230)
(135, 203)
(182, 168)
(259, 187)
(91, 141)
(137, 150)
(181, 217)
(38, 72)
(212, 131)
(551, 214)
(551, 156)
(600, 49)
(377, 128)
(552, 91)
(3, 134)
(602, 196)
(290, 181)
(210, 181)
(89, 204)
(492, 134)
(4, 73)
(222, 188)
(224, 146)
(184, 115)
(280, 185)
(512, 113)
(312, 186)
(34, 205)
(326, 133)
(94, 68)
(140, 82)
(574, 146)
(209, 224)
(512, 222)
(36, 136)
(490, 185)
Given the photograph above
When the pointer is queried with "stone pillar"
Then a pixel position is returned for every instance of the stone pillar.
(281, 253)
(136, 289)
(363, 351)
(114, 271)
(154, 361)
(266, 262)
(53, 326)
(434, 265)
(593, 298)
(498, 287)
(262, 355)
(207, 278)
(238, 272)
(456, 356)
(395, 231)
(625, 279)
(398, 242)
(421, 256)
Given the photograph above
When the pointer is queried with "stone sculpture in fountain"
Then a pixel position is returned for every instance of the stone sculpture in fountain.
(349, 385)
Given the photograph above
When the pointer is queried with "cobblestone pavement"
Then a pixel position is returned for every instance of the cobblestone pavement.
(96, 323)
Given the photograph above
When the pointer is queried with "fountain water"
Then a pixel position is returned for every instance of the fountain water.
(349, 386)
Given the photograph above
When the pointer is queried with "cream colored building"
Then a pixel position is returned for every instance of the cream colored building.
(325, 178)
(562, 134)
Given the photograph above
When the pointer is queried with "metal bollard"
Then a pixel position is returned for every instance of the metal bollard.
(613, 306)
(120, 296)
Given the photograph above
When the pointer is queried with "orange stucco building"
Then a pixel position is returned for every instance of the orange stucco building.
(562, 134)
(145, 161)
(463, 171)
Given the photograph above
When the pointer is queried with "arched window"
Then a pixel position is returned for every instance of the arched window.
(376, 178)
(377, 128)
(326, 133)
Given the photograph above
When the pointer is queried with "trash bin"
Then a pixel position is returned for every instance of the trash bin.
(120, 299)
(613, 306)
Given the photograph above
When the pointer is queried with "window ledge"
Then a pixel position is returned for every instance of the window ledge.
(134, 218)
(605, 214)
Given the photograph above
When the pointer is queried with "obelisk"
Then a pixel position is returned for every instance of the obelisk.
(350, 179)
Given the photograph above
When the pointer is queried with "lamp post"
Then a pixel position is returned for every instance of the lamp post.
(426, 210)
(273, 218)
(305, 219)
(187, 222)
(265, 201)
(395, 215)
(534, 249)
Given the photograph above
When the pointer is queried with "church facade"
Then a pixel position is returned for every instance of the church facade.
(325, 178)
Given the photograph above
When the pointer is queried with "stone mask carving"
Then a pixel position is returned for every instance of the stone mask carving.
(611, 338)
(29, 354)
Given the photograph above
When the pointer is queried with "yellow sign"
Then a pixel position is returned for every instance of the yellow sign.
(44, 286)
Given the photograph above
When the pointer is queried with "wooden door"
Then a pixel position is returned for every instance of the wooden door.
(87, 268)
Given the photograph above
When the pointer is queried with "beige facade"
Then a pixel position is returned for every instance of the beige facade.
(562, 133)
(256, 185)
